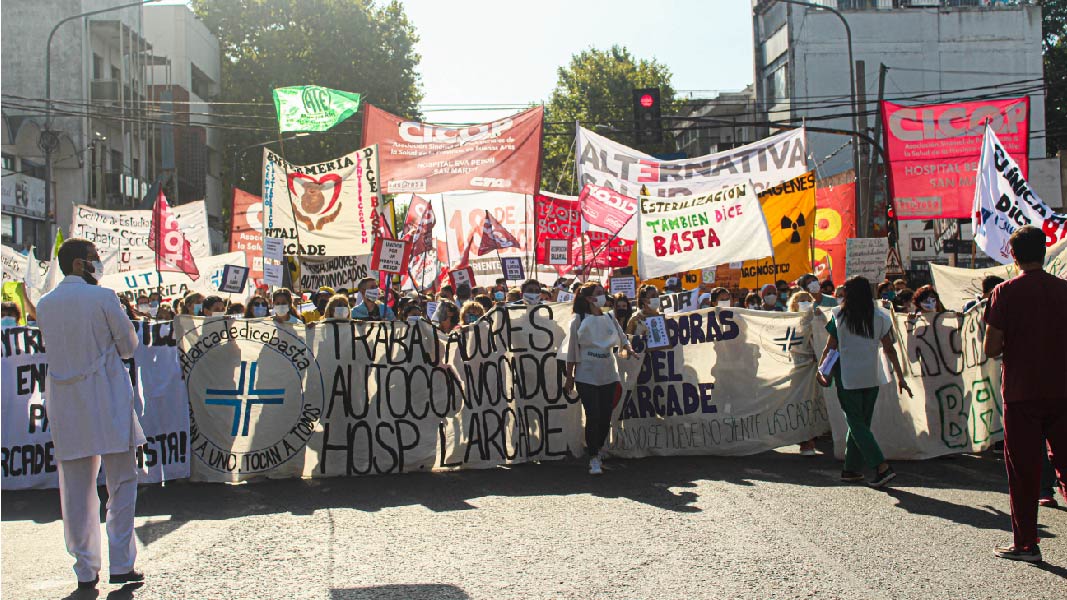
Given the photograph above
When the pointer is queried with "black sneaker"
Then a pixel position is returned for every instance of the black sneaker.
(89, 585)
(125, 578)
(880, 479)
(1011, 553)
(851, 476)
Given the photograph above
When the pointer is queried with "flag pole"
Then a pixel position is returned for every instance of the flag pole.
(289, 194)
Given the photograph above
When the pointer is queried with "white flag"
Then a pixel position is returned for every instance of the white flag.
(1004, 202)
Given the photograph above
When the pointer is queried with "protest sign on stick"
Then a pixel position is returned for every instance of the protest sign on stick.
(865, 257)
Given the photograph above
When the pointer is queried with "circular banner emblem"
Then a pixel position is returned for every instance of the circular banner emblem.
(255, 395)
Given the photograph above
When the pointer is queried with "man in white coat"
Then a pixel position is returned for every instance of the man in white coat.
(91, 412)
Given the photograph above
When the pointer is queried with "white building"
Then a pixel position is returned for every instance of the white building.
(935, 50)
(714, 122)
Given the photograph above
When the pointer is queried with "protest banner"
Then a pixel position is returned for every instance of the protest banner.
(835, 222)
(789, 209)
(765, 163)
(957, 286)
(511, 267)
(933, 149)
(14, 264)
(461, 220)
(336, 273)
(121, 236)
(234, 278)
(503, 155)
(335, 203)
(957, 404)
(171, 284)
(1004, 201)
(606, 210)
(866, 257)
(246, 230)
(558, 222)
(692, 232)
(28, 456)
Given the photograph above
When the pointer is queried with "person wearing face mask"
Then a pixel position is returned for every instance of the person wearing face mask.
(257, 308)
(142, 306)
(283, 310)
(720, 297)
(589, 353)
(926, 301)
(485, 301)
(1026, 325)
(337, 309)
(235, 310)
(463, 294)
(214, 306)
(886, 291)
(753, 301)
(155, 300)
(989, 283)
(193, 304)
(320, 299)
(904, 301)
(91, 413)
(531, 292)
(839, 294)
(622, 310)
(802, 302)
(372, 309)
(9, 311)
(828, 289)
(411, 312)
(470, 313)
(648, 304)
(810, 284)
(165, 313)
(446, 317)
(769, 299)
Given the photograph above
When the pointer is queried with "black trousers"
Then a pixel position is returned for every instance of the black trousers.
(597, 401)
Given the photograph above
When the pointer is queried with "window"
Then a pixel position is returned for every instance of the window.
(8, 229)
(8, 161)
(98, 66)
(777, 86)
(116, 73)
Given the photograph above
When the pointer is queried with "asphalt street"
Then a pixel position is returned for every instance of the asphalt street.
(776, 525)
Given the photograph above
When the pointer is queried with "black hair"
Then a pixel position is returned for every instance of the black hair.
(858, 310)
(989, 282)
(71, 250)
(644, 292)
(11, 306)
(582, 305)
(1028, 244)
(212, 300)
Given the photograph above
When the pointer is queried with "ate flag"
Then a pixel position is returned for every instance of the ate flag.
(173, 251)
(494, 236)
(313, 108)
(418, 225)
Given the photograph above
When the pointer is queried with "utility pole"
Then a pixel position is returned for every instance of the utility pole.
(863, 200)
(873, 162)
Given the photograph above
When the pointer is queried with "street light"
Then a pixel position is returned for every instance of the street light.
(48, 141)
(852, 91)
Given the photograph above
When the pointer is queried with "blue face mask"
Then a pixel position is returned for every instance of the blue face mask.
(198, 309)
(259, 311)
(8, 322)
(499, 296)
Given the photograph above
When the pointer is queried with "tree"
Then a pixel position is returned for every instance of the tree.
(352, 45)
(595, 88)
(1054, 46)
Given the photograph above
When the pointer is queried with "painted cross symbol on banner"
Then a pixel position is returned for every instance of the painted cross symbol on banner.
(240, 397)
(789, 340)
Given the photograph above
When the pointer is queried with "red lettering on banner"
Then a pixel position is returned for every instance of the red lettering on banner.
(648, 171)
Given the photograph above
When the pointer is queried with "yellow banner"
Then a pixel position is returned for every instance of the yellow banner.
(790, 211)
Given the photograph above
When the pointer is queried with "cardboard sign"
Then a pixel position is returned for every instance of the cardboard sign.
(657, 332)
(866, 257)
(564, 297)
(460, 276)
(233, 279)
(273, 274)
(558, 252)
(626, 285)
(274, 249)
(431, 309)
(390, 256)
(512, 268)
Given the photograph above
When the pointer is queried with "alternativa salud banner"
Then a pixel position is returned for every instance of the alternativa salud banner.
(693, 232)
(503, 155)
(933, 152)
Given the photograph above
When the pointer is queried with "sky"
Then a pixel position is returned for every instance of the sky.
(507, 51)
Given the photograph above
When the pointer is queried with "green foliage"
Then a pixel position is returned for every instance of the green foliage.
(595, 88)
(352, 45)
(1054, 42)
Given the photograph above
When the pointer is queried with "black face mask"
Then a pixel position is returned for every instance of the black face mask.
(624, 315)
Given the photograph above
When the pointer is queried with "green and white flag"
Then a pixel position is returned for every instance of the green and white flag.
(313, 108)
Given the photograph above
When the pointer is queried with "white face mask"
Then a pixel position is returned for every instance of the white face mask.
(340, 312)
(372, 294)
(280, 310)
(532, 298)
(653, 303)
(770, 299)
(153, 308)
(414, 318)
(814, 286)
(804, 306)
(930, 304)
(143, 308)
(600, 300)
(724, 303)
(840, 301)
(753, 306)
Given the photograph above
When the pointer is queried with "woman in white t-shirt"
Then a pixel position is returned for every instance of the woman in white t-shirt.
(857, 331)
(589, 351)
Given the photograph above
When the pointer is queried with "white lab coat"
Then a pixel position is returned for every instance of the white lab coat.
(90, 397)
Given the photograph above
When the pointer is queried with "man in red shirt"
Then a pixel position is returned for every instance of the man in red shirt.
(1026, 322)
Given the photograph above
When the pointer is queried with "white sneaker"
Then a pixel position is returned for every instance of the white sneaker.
(594, 466)
(808, 452)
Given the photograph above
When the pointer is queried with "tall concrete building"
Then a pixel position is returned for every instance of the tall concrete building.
(185, 78)
(715, 122)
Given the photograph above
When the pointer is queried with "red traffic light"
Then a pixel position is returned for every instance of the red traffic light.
(890, 213)
(647, 100)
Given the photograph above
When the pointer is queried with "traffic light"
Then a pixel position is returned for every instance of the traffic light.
(648, 129)
(891, 222)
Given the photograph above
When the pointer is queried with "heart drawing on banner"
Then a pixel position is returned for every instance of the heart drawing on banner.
(312, 209)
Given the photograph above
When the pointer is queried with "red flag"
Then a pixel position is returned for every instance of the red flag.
(418, 225)
(173, 251)
(494, 236)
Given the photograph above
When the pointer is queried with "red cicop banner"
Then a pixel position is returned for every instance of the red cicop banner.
(933, 152)
(606, 208)
(246, 230)
(419, 157)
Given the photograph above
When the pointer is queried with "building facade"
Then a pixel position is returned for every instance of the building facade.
(714, 122)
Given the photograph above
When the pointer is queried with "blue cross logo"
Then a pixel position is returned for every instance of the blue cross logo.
(246, 397)
(789, 340)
